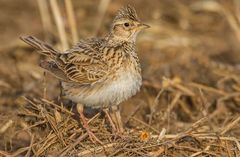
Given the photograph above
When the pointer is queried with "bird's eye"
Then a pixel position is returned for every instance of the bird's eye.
(126, 24)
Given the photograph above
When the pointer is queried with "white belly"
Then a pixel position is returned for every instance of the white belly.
(110, 92)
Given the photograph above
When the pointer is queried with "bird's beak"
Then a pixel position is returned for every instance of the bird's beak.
(143, 26)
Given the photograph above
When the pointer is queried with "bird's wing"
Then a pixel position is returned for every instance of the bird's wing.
(83, 63)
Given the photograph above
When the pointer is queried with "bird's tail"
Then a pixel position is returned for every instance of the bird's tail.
(43, 47)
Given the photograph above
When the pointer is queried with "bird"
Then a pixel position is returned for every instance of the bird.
(99, 72)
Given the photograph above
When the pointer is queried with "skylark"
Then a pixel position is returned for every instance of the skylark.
(98, 72)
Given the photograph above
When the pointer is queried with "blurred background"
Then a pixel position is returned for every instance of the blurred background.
(190, 59)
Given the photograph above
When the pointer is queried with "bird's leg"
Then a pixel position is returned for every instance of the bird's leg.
(117, 118)
(86, 126)
(106, 111)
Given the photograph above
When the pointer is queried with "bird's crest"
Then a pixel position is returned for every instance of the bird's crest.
(127, 12)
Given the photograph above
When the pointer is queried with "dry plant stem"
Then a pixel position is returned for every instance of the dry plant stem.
(159, 152)
(60, 25)
(204, 110)
(153, 107)
(3, 153)
(34, 125)
(195, 150)
(116, 152)
(202, 152)
(186, 109)
(207, 88)
(71, 20)
(145, 124)
(230, 126)
(44, 85)
(171, 106)
(196, 125)
(183, 89)
(101, 12)
(228, 96)
(132, 114)
(96, 149)
(45, 16)
(162, 134)
(82, 137)
(94, 117)
(228, 149)
(55, 129)
(57, 106)
(46, 146)
(46, 143)
(232, 21)
(200, 136)
(203, 136)
(18, 152)
(30, 147)
(7, 125)
(237, 8)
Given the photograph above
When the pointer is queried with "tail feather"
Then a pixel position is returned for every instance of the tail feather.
(43, 47)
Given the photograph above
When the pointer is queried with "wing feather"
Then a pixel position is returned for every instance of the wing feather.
(84, 64)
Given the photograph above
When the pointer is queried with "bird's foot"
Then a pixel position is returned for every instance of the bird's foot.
(114, 129)
(91, 135)
(117, 119)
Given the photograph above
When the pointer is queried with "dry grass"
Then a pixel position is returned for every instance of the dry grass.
(188, 105)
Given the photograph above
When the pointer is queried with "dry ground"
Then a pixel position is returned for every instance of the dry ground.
(189, 104)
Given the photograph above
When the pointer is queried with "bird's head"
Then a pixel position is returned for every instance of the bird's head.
(127, 25)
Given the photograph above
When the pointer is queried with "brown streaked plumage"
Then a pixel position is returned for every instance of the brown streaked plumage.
(98, 72)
